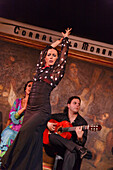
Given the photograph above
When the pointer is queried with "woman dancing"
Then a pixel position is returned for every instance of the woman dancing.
(26, 151)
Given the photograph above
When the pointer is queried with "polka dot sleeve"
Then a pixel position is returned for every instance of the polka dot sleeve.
(59, 68)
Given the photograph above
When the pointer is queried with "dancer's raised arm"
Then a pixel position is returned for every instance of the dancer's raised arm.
(66, 34)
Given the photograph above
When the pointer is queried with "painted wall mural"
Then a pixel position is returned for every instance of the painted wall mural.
(93, 83)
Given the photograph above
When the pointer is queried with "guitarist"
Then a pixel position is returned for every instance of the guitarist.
(71, 150)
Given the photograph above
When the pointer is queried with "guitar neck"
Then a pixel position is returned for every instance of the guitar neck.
(70, 129)
(84, 127)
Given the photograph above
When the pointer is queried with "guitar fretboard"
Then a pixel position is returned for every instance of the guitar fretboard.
(84, 127)
(70, 129)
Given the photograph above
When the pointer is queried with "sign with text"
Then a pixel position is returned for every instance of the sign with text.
(49, 36)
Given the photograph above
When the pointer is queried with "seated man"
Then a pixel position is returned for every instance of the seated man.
(72, 150)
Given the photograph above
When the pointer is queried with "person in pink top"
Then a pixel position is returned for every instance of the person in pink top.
(16, 118)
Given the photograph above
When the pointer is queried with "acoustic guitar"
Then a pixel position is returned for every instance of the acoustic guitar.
(65, 128)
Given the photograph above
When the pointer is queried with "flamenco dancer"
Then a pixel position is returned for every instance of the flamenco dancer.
(26, 151)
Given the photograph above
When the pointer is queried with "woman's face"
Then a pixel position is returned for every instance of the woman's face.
(28, 88)
(51, 57)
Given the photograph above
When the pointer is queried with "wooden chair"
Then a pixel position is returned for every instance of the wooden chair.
(48, 161)
(51, 163)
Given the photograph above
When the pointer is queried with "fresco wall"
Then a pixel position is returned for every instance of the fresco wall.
(93, 83)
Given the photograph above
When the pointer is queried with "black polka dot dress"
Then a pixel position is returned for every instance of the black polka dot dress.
(26, 151)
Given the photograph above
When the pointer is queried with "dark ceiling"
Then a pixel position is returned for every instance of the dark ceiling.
(91, 19)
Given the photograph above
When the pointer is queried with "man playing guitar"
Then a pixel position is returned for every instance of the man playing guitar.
(72, 150)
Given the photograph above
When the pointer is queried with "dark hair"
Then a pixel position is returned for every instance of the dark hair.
(69, 101)
(27, 84)
(45, 53)
(73, 97)
(50, 47)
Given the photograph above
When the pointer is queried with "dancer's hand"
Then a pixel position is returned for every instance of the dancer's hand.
(67, 32)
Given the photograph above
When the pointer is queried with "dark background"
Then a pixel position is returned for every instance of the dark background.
(91, 19)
